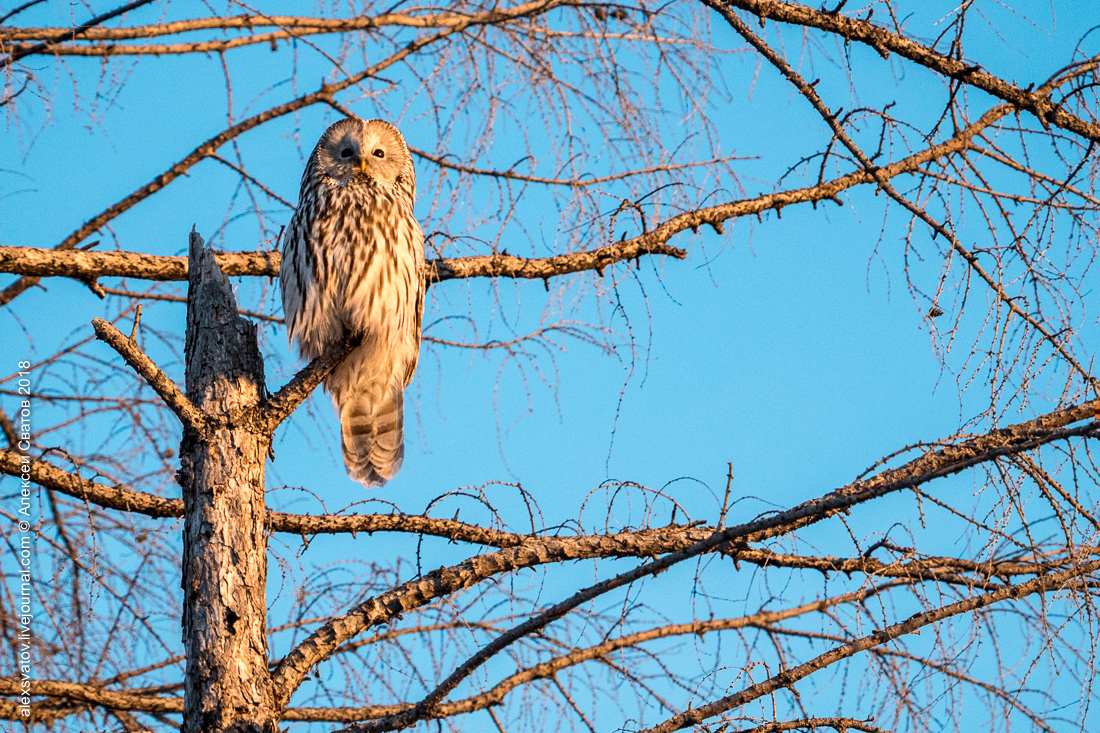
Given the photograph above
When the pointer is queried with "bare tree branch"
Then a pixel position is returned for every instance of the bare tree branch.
(807, 90)
(128, 700)
(947, 461)
(68, 35)
(444, 20)
(188, 414)
(1036, 102)
(279, 406)
(913, 624)
(212, 145)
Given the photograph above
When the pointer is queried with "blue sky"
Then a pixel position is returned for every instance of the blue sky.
(790, 348)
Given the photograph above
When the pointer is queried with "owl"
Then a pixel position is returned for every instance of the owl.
(353, 265)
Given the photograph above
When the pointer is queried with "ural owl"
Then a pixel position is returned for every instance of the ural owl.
(353, 259)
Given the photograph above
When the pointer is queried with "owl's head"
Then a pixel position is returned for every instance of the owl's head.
(353, 149)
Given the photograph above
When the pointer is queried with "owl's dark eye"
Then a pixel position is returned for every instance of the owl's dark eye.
(346, 153)
(379, 153)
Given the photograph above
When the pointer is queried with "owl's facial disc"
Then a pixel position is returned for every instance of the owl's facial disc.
(354, 149)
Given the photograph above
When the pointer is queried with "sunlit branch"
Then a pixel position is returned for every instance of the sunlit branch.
(79, 264)
(914, 623)
(67, 34)
(950, 459)
(885, 42)
(37, 262)
(942, 569)
(443, 20)
(211, 146)
(108, 49)
(128, 349)
(280, 405)
(76, 692)
(550, 668)
(807, 90)
(547, 670)
(429, 706)
(947, 461)
(112, 497)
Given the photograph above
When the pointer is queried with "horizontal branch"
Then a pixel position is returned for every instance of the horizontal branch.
(447, 580)
(884, 41)
(637, 543)
(118, 497)
(176, 400)
(1023, 436)
(551, 667)
(532, 551)
(913, 624)
(328, 25)
(640, 543)
(535, 550)
(119, 700)
(112, 497)
(67, 34)
(210, 147)
(543, 268)
(85, 265)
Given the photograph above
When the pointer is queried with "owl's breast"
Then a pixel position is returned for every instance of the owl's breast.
(373, 251)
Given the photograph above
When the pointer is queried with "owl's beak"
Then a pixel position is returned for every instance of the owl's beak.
(362, 165)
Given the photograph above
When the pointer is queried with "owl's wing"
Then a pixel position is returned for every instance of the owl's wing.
(417, 247)
(295, 268)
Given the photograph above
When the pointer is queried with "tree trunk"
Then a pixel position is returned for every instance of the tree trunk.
(227, 685)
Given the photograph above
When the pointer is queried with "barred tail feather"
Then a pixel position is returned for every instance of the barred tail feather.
(373, 438)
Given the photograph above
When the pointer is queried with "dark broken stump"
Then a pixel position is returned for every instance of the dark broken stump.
(227, 686)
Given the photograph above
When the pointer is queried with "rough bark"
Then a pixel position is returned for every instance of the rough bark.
(227, 684)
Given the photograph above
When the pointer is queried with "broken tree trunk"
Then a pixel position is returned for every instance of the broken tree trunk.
(228, 686)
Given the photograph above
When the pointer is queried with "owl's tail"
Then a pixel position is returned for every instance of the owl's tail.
(373, 438)
(367, 391)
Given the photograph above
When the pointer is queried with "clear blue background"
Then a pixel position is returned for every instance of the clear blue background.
(790, 348)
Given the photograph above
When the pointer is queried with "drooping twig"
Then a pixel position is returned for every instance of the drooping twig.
(945, 462)
(913, 624)
(808, 91)
(885, 42)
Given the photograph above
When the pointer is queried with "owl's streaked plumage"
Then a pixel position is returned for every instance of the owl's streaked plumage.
(353, 263)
